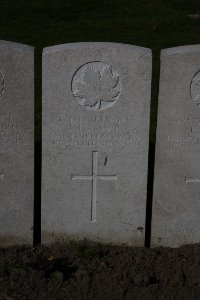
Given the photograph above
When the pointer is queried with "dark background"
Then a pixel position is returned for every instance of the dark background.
(155, 24)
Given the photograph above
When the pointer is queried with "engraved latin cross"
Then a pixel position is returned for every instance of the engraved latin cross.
(94, 177)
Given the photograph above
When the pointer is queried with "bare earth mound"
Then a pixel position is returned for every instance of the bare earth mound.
(90, 271)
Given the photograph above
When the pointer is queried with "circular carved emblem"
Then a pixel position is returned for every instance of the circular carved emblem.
(2, 84)
(96, 86)
(195, 88)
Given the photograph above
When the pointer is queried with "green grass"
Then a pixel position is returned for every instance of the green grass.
(150, 23)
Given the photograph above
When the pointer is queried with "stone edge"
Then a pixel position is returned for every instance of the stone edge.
(68, 46)
(17, 46)
(180, 50)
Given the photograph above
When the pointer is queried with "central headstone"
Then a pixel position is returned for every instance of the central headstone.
(96, 100)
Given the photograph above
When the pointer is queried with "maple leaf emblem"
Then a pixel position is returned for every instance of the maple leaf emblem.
(2, 84)
(195, 89)
(96, 86)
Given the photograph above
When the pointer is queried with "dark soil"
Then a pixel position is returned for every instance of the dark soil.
(90, 271)
(98, 272)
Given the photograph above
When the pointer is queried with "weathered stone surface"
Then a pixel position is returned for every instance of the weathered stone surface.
(16, 143)
(96, 99)
(176, 208)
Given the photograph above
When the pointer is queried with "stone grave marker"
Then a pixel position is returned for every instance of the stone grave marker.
(16, 143)
(176, 207)
(96, 100)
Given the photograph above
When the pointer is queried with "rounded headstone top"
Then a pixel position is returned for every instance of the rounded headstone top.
(81, 45)
(180, 50)
(16, 46)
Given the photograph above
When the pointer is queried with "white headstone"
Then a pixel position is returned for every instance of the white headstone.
(96, 100)
(176, 207)
(16, 143)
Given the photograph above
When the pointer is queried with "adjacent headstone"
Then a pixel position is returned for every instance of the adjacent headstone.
(96, 100)
(176, 208)
(16, 143)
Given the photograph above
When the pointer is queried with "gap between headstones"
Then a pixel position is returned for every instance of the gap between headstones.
(38, 148)
(152, 141)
